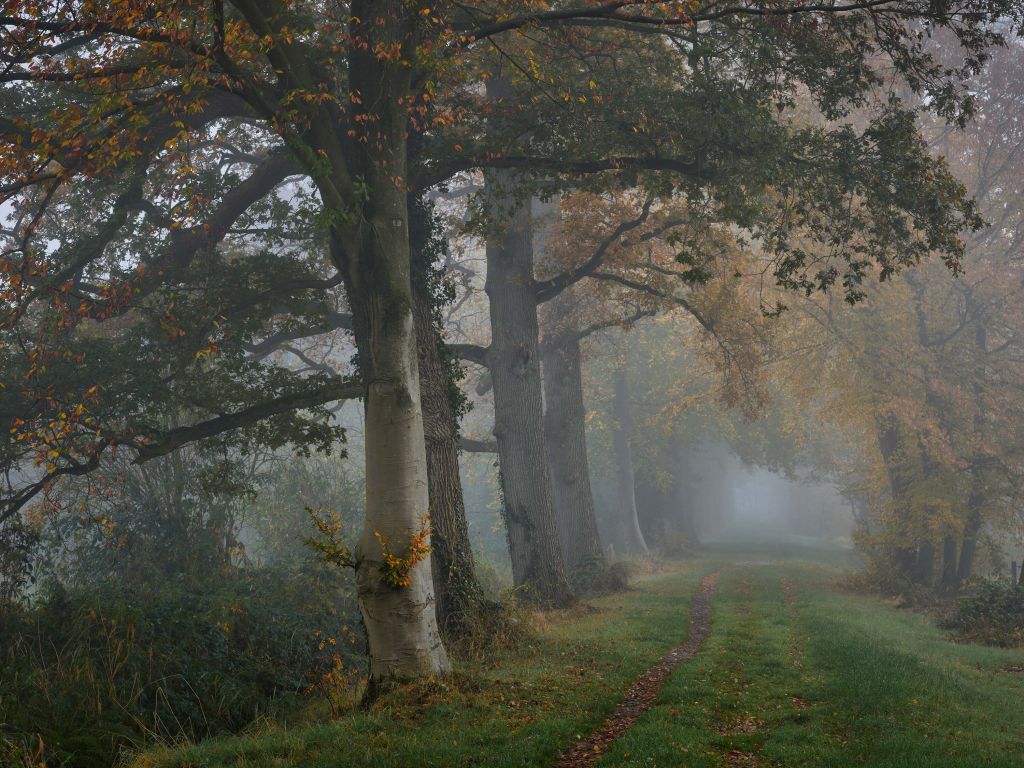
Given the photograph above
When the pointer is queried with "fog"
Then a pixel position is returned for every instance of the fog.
(559, 383)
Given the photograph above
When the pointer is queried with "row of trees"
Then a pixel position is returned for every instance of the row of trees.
(189, 186)
(922, 380)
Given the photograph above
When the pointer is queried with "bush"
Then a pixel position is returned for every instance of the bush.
(600, 577)
(992, 613)
(88, 672)
(675, 545)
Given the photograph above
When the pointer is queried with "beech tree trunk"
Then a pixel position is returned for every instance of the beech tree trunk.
(566, 432)
(400, 621)
(924, 567)
(457, 591)
(514, 364)
(632, 538)
(401, 625)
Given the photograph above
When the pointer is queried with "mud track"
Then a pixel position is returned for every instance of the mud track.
(640, 696)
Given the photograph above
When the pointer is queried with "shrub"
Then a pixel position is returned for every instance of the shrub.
(675, 545)
(599, 577)
(992, 613)
(88, 672)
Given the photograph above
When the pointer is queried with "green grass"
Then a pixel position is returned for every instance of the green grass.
(833, 680)
(825, 679)
(521, 709)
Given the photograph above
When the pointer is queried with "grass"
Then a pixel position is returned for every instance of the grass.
(828, 679)
(797, 672)
(520, 709)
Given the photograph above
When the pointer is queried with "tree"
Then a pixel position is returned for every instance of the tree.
(459, 594)
(169, 100)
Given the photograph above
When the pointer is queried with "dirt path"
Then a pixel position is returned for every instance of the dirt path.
(640, 696)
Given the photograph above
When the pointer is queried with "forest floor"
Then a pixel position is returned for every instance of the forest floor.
(795, 671)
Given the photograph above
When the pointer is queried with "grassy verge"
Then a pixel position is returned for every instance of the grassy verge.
(521, 709)
(797, 673)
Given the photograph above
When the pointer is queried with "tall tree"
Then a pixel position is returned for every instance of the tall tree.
(458, 592)
(138, 118)
(631, 538)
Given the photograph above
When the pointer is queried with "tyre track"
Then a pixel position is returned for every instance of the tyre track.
(640, 696)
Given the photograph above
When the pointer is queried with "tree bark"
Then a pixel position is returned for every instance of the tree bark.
(456, 589)
(400, 621)
(566, 433)
(514, 363)
(632, 539)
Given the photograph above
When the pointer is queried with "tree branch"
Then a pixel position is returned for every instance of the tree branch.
(471, 445)
(151, 446)
(547, 166)
(473, 353)
(548, 289)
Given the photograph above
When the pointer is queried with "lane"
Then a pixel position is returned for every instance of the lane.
(641, 695)
(800, 672)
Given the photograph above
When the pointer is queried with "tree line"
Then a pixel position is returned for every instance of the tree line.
(191, 187)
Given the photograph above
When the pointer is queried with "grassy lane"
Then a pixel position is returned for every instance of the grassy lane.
(522, 709)
(797, 673)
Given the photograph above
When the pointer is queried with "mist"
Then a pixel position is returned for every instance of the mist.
(556, 384)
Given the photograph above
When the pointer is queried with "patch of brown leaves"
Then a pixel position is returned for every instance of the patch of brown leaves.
(737, 759)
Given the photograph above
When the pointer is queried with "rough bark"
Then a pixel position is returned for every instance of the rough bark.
(565, 430)
(456, 589)
(514, 363)
(631, 537)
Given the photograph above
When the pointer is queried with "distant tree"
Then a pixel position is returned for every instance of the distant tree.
(928, 369)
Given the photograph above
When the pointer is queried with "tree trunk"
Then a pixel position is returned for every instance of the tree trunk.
(514, 364)
(970, 541)
(976, 498)
(401, 625)
(924, 565)
(949, 564)
(632, 539)
(400, 621)
(903, 556)
(566, 433)
(682, 494)
(456, 588)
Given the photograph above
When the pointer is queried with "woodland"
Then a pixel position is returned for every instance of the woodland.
(514, 382)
